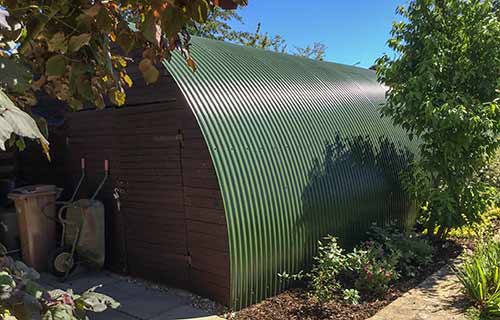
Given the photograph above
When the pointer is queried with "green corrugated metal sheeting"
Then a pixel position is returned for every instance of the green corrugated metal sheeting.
(300, 151)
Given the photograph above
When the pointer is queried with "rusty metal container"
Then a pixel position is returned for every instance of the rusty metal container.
(36, 215)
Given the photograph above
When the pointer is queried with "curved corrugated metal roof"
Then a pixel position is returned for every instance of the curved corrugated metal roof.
(300, 151)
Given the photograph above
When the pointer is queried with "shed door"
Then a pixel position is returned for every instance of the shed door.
(147, 174)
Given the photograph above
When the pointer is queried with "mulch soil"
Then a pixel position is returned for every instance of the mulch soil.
(298, 304)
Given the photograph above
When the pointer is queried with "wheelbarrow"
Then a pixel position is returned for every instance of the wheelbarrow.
(83, 232)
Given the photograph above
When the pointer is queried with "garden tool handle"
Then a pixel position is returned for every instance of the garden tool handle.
(60, 213)
(82, 176)
(106, 174)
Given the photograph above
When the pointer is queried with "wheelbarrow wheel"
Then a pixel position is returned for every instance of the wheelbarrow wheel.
(62, 262)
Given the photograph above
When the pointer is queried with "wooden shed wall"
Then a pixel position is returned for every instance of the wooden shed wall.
(171, 226)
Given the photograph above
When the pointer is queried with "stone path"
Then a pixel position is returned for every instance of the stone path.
(437, 298)
(138, 301)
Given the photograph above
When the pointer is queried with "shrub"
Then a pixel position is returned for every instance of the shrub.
(21, 298)
(409, 252)
(491, 175)
(351, 296)
(484, 229)
(329, 263)
(370, 270)
(480, 278)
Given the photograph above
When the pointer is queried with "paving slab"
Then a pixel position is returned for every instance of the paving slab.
(138, 300)
(439, 297)
(151, 303)
(111, 315)
(185, 312)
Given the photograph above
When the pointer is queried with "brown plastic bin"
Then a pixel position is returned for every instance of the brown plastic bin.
(37, 228)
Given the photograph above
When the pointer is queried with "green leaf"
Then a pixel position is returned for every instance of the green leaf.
(20, 144)
(58, 43)
(104, 21)
(151, 30)
(126, 41)
(56, 66)
(172, 21)
(14, 76)
(77, 42)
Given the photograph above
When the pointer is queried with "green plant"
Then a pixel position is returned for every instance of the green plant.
(409, 251)
(480, 277)
(351, 296)
(329, 262)
(444, 89)
(490, 175)
(66, 48)
(484, 229)
(22, 298)
(370, 270)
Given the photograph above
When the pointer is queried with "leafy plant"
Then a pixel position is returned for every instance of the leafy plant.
(329, 262)
(444, 89)
(490, 175)
(370, 270)
(480, 278)
(409, 251)
(351, 296)
(78, 51)
(22, 298)
(484, 229)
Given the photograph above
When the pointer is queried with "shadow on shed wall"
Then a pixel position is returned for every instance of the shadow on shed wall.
(356, 183)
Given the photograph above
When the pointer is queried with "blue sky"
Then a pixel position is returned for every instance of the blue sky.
(354, 30)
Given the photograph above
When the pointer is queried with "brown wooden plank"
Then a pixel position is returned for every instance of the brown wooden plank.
(216, 262)
(208, 241)
(215, 216)
(203, 202)
(194, 181)
(212, 287)
(202, 192)
(207, 228)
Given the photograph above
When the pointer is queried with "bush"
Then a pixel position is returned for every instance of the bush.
(409, 251)
(351, 296)
(367, 270)
(480, 278)
(491, 175)
(21, 298)
(370, 270)
(483, 229)
(329, 263)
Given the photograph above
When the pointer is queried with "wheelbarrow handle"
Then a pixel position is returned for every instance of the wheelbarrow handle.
(61, 212)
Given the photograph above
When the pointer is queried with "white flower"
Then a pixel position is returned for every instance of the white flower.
(3, 19)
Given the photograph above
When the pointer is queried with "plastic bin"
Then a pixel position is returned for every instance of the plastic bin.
(36, 216)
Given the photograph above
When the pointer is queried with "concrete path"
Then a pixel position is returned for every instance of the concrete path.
(138, 301)
(437, 298)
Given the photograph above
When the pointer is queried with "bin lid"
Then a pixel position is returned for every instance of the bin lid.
(34, 190)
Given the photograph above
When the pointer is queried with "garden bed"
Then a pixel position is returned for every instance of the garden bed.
(299, 304)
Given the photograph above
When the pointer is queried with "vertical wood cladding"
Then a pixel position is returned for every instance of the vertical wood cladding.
(171, 227)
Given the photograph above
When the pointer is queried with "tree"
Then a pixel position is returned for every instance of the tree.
(219, 27)
(444, 89)
(66, 47)
(316, 51)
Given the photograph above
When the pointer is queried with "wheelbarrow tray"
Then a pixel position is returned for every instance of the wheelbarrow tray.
(88, 215)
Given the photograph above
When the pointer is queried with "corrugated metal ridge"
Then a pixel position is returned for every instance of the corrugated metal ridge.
(300, 151)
